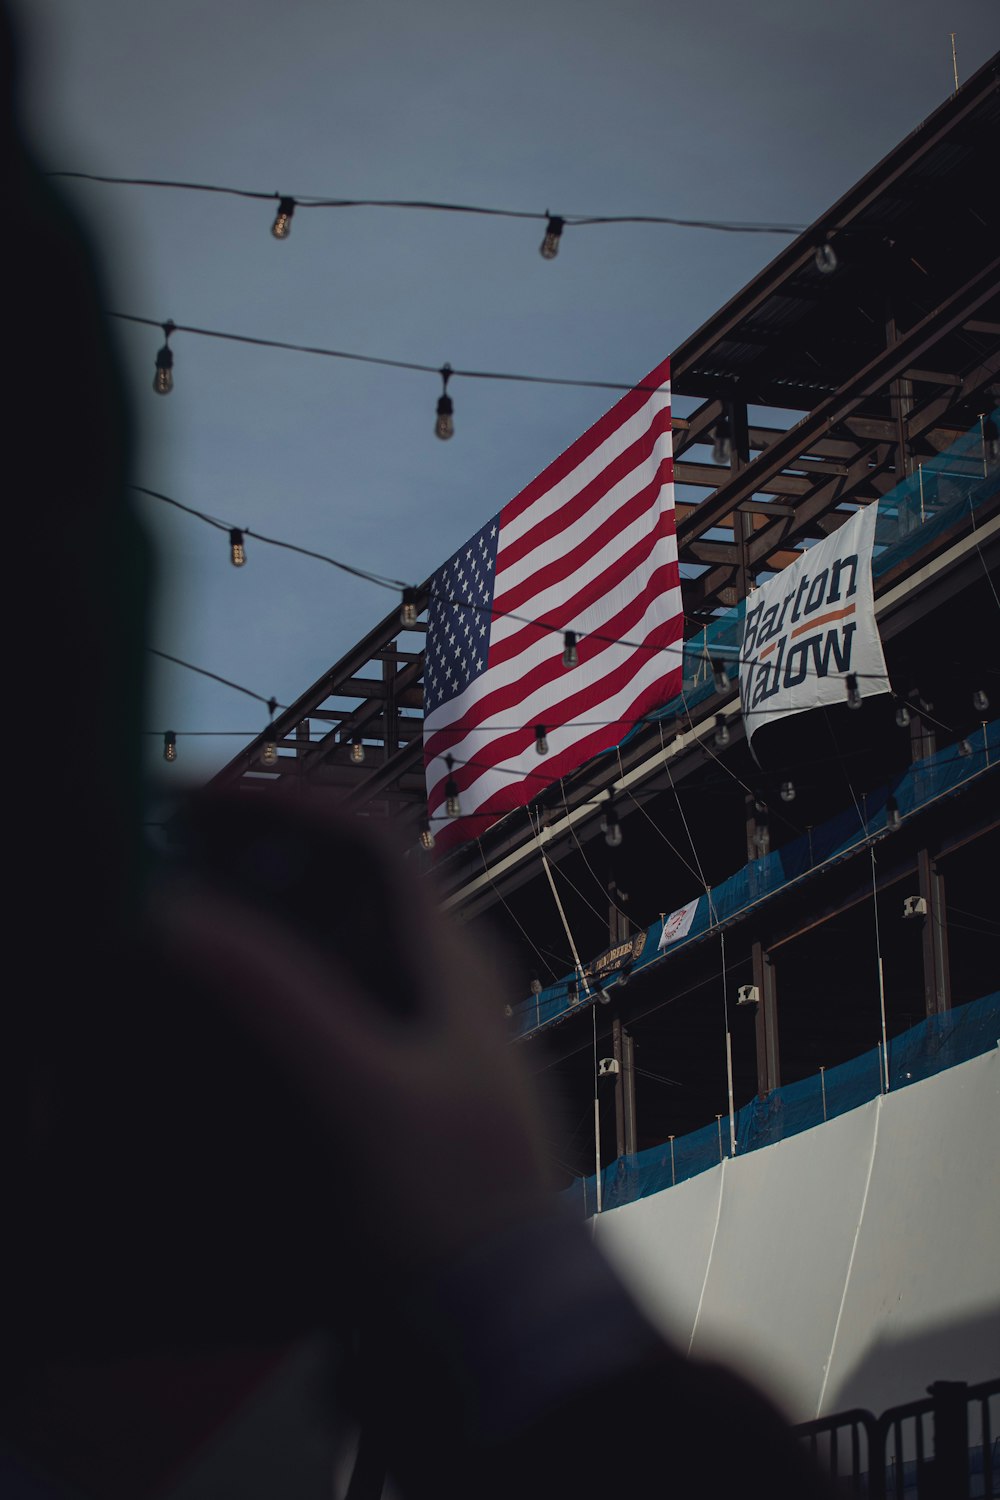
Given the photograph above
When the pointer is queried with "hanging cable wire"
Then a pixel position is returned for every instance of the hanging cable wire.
(203, 672)
(514, 918)
(392, 364)
(583, 854)
(410, 592)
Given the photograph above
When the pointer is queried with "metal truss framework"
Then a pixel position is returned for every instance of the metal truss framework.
(879, 364)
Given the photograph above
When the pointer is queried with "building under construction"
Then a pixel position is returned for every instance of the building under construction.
(840, 928)
(861, 367)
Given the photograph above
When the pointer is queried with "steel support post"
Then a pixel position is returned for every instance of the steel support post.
(768, 1054)
(622, 1046)
(742, 520)
(628, 1092)
(937, 975)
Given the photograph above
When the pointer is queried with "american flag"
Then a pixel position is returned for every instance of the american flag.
(588, 547)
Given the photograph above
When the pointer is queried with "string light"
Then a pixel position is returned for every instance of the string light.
(549, 248)
(408, 613)
(788, 791)
(444, 427)
(357, 753)
(536, 985)
(853, 694)
(964, 747)
(902, 716)
(541, 740)
(721, 735)
(893, 818)
(315, 200)
(570, 656)
(720, 675)
(426, 835)
(237, 548)
(825, 259)
(452, 806)
(722, 443)
(980, 701)
(282, 226)
(385, 363)
(163, 380)
(170, 747)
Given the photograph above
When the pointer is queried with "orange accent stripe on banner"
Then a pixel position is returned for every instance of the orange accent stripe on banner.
(767, 651)
(835, 614)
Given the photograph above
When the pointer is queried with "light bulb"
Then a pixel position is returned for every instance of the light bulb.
(825, 259)
(170, 746)
(788, 791)
(853, 693)
(508, 1011)
(721, 731)
(964, 747)
(444, 427)
(237, 551)
(426, 835)
(269, 754)
(536, 985)
(722, 443)
(163, 380)
(893, 820)
(612, 830)
(408, 613)
(549, 248)
(721, 679)
(282, 226)
(357, 752)
(541, 741)
(570, 656)
(902, 716)
(980, 701)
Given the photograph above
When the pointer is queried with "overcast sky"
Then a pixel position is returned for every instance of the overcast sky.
(723, 110)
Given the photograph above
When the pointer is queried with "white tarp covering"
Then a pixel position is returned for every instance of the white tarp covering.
(850, 1265)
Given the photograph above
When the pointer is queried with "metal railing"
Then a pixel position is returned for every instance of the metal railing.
(941, 1447)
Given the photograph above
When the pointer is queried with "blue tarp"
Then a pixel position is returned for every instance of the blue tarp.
(939, 775)
(926, 1049)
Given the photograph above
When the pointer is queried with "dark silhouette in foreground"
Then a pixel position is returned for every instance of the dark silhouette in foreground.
(263, 1089)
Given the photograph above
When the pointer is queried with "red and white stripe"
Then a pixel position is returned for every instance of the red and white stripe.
(589, 546)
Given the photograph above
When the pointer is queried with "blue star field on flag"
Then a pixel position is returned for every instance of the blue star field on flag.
(458, 620)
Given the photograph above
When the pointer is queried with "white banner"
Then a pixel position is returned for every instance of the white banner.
(678, 924)
(810, 626)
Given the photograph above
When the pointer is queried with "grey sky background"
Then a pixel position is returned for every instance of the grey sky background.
(719, 109)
